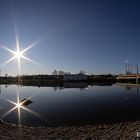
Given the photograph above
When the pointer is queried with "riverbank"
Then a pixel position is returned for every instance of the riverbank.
(57, 80)
(113, 131)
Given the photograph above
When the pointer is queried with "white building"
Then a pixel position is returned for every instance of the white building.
(75, 77)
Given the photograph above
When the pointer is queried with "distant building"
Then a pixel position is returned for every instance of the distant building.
(75, 77)
(82, 72)
(6, 75)
(61, 72)
(67, 73)
(55, 72)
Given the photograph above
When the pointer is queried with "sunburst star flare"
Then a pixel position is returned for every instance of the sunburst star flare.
(19, 54)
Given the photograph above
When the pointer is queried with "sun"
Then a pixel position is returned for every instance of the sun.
(18, 54)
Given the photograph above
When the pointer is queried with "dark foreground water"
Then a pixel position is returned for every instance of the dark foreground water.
(73, 104)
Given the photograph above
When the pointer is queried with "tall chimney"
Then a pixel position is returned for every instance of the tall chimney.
(137, 69)
(125, 68)
(128, 68)
(131, 68)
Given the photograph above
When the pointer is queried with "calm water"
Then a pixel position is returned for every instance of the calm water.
(71, 105)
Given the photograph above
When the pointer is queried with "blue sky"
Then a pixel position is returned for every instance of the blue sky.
(92, 35)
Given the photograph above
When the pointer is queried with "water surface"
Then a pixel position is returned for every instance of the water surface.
(73, 104)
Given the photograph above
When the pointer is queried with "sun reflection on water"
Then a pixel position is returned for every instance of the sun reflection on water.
(20, 105)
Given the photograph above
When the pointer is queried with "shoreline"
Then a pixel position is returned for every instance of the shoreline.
(123, 130)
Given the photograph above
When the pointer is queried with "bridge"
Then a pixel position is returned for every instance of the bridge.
(134, 78)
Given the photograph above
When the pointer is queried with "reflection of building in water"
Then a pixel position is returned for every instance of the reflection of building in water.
(81, 86)
(61, 88)
(137, 90)
(6, 86)
(129, 88)
(128, 92)
(75, 85)
(55, 88)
